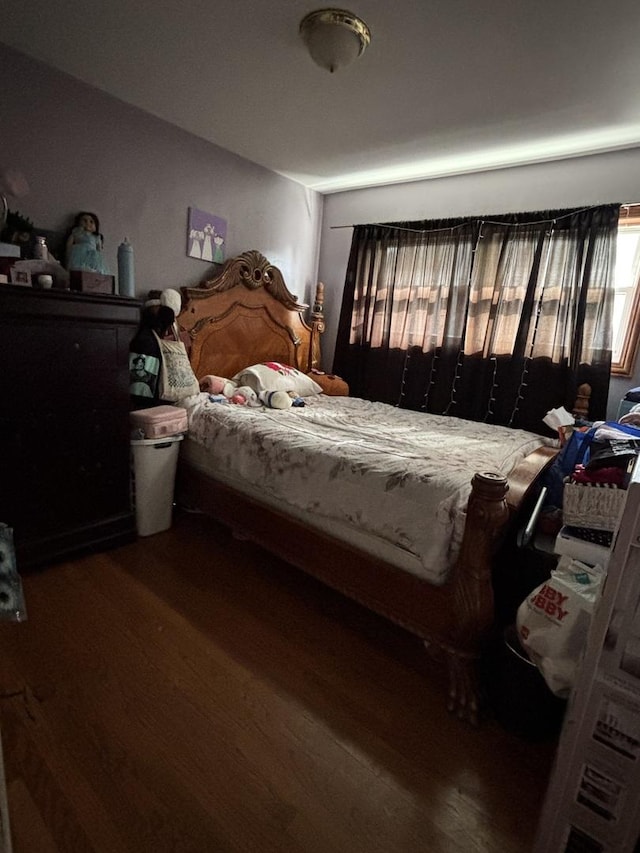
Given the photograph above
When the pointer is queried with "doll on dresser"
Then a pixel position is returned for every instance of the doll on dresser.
(85, 243)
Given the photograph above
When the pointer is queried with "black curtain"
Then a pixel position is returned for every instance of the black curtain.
(497, 318)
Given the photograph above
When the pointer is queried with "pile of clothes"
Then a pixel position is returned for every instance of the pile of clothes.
(612, 449)
(591, 473)
(598, 464)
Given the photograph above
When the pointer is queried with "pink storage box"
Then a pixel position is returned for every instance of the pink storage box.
(159, 421)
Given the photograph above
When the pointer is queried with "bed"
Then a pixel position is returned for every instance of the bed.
(289, 481)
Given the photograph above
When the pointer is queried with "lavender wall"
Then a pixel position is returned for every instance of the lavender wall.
(81, 149)
(613, 177)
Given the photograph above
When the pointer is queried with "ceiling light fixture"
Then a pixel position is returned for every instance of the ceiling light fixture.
(334, 37)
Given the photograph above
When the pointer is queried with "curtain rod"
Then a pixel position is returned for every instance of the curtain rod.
(475, 219)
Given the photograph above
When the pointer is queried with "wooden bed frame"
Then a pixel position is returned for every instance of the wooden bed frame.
(247, 315)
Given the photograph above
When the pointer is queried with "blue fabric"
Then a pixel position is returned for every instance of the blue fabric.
(575, 452)
(631, 431)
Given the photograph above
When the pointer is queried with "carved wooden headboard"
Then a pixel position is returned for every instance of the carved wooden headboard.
(247, 315)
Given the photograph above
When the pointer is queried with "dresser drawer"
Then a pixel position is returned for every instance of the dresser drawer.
(88, 430)
(56, 485)
(83, 358)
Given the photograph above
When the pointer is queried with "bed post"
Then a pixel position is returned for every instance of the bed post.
(317, 328)
(472, 593)
(583, 397)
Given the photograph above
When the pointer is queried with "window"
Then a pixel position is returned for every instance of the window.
(626, 309)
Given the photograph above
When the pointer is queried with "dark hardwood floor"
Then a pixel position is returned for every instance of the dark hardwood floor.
(189, 692)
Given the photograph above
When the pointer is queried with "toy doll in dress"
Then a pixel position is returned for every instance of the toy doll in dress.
(84, 244)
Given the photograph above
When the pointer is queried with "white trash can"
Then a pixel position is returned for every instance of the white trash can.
(154, 474)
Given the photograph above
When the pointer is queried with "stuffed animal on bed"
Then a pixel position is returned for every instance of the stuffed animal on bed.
(243, 395)
(275, 399)
(217, 385)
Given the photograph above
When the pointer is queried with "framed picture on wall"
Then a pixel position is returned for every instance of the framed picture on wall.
(206, 236)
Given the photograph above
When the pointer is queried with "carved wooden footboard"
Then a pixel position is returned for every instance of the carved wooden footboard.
(453, 620)
(471, 604)
(246, 316)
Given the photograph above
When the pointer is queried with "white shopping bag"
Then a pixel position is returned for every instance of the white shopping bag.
(553, 621)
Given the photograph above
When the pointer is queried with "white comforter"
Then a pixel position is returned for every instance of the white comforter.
(399, 476)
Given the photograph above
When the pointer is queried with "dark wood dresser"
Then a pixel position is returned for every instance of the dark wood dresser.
(64, 421)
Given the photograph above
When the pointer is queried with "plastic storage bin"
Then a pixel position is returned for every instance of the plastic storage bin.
(154, 474)
(158, 421)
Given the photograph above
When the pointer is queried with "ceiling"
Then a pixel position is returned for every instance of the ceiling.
(445, 87)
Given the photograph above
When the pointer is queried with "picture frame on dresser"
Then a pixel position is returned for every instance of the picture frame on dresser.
(20, 277)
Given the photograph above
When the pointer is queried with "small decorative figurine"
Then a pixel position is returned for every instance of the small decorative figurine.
(85, 243)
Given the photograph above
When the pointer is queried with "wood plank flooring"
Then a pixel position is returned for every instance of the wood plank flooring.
(189, 692)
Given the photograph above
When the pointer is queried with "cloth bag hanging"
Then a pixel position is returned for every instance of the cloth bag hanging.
(177, 379)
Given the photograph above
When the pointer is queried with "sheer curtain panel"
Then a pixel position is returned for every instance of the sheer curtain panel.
(498, 318)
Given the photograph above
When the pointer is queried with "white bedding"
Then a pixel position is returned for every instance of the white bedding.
(398, 480)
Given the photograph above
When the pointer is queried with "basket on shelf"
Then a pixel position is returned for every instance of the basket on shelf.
(594, 506)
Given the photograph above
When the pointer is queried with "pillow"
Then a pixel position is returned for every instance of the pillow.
(273, 376)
